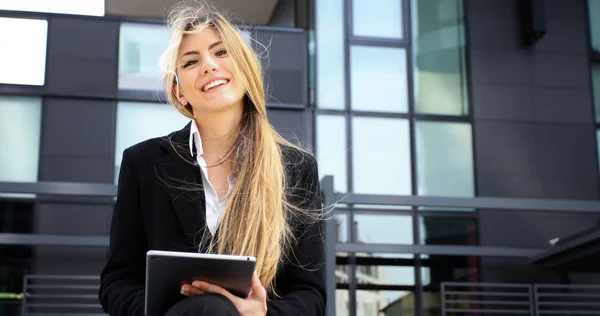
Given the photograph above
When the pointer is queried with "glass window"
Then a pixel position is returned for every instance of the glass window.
(87, 7)
(332, 149)
(381, 156)
(439, 57)
(378, 79)
(140, 46)
(444, 158)
(330, 54)
(594, 11)
(377, 302)
(448, 230)
(138, 121)
(381, 20)
(20, 124)
(23, 55)
(383, 229)
(596, 89)
(598, 146)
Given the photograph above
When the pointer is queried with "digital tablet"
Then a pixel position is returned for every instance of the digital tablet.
(167, 271)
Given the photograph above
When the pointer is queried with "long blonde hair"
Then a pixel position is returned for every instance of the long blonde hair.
(256, 220)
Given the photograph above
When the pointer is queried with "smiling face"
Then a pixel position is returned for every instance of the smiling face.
(208, 78)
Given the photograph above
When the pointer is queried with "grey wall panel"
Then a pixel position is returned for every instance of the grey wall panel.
(77, 127)
(69, 260)
(76, 76)
(83, 38)
(291, 124)
(570, 187)
(92, 220)
(505, 147)
(82, 57)
(502, 102)
(556, 105)
(563, 36)
(572, 9)
(565, 150)
(78, 169)
(500, 66)
(560, 70)
(495, 7)
(505, 27)
(284, 65)
(508, 185)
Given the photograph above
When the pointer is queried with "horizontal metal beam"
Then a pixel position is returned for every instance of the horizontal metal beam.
(482, 251)
(514, 204)
(60, 188)
(52, 240)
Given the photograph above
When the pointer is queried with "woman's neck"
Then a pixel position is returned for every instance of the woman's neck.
(218, 133)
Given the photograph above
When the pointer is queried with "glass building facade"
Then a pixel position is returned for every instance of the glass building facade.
(436, 100)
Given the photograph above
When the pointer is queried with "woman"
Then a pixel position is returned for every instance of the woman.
(226, 183)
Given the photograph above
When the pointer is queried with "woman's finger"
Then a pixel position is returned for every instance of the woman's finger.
(211, 288)
(189, 290)
(257, 290)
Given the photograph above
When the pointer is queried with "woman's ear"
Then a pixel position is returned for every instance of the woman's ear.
(178, 94)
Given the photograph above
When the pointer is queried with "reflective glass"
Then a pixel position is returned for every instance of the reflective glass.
(20, 127)
(138, 121)
(444, 158)
(381, 156)
(439, 71)
(23, 53)
(378, 79)
(596, 89)
(140, 46)
(377, 302)
(383, 229)
(594, 14)
(330, 70)
(448, 230)
(332, 151)
(379, 19)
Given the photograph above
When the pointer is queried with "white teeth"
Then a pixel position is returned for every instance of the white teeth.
(213, 84)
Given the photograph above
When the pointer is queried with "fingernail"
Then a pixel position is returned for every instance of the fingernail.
(184, 291)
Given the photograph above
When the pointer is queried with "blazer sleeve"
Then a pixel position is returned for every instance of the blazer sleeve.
(302, 281)
(122, 278)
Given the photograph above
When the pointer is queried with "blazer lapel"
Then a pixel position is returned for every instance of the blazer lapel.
(181, 179)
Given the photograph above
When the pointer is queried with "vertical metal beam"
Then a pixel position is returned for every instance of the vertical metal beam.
(330, 241)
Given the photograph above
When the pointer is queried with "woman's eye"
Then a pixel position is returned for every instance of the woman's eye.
(221, 52)
(189, 63)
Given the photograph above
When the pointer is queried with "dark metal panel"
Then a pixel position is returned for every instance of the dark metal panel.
(441, 250)
(60, 188)
(476, 202)
(83, 38)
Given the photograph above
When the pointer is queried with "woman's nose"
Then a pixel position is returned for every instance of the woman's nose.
(210, 65)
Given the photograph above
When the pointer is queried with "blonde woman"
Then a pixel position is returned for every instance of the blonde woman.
(226, 183)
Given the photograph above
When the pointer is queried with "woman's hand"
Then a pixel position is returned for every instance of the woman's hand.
(254, 304)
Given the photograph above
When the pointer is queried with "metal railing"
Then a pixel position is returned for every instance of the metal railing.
(489, 298)
(458, 298)
(45, 295)
(552, 299)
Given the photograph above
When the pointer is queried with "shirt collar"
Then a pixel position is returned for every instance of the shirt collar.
(195, 140)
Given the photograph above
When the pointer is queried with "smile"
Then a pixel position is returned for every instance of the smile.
(213, 84)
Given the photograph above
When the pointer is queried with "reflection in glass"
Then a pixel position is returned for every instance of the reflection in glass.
(596, 89)
(385, 303)
(447, 230)
(444, 158)
(378, 79)
(381, 20)
(437, 269)
(598, 146)
(383, 229)
(381, 156)
(332, 149)
(341, 223)
(330, 54)
(23, 53)
(594, 11)
(133, 125)
(140, 46)
(439, 57)
(20, 127)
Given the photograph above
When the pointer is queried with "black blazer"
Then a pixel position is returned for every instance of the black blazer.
(154, 212)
